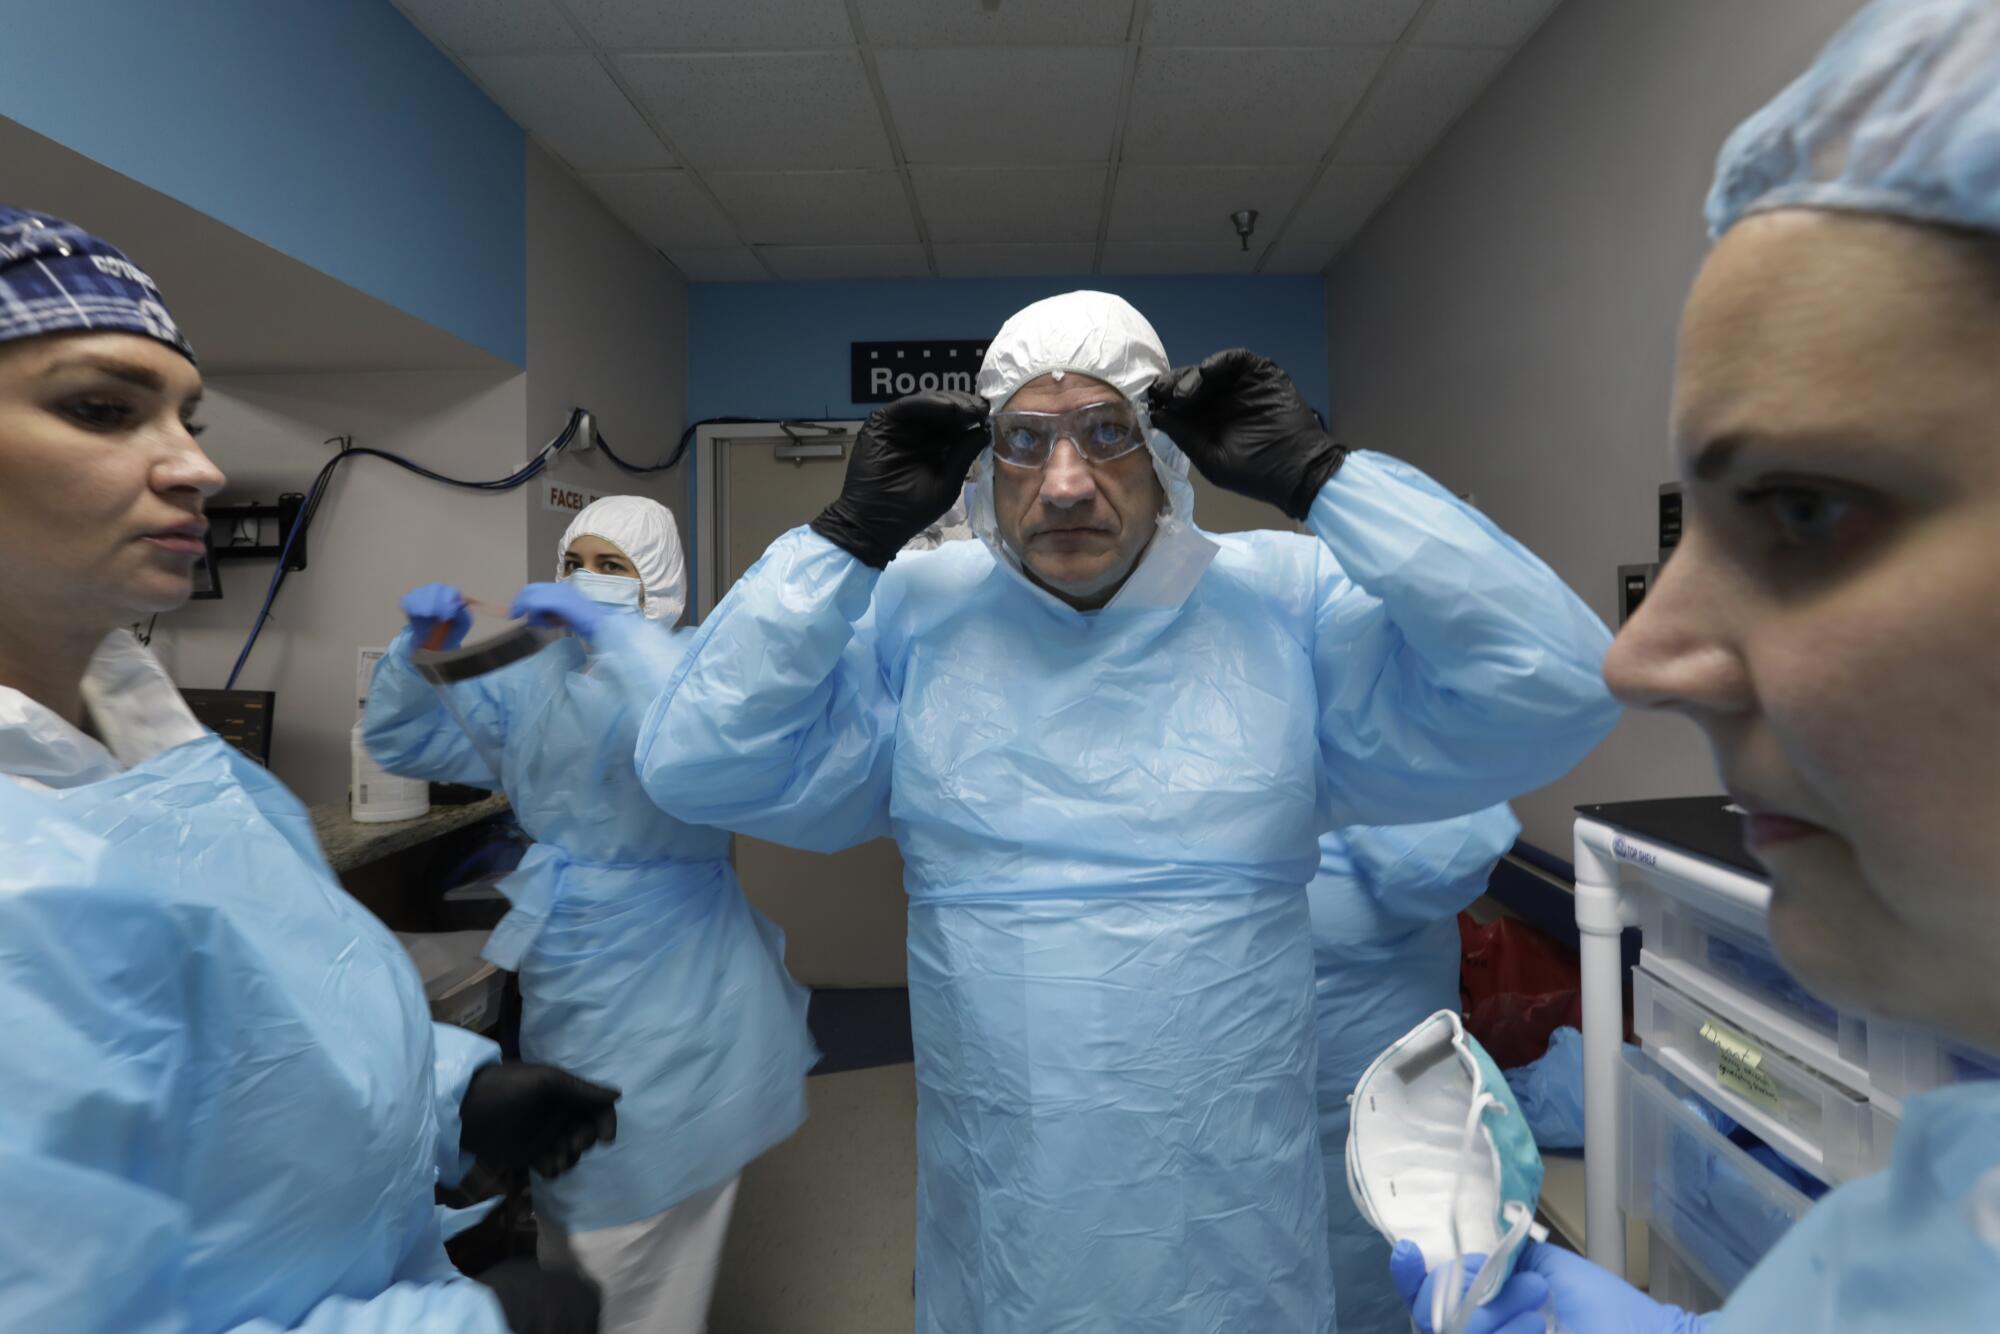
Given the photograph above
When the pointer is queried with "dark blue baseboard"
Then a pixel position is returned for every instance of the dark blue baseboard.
(859, 1028)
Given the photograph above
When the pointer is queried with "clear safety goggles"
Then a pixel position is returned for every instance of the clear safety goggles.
(1100, 432)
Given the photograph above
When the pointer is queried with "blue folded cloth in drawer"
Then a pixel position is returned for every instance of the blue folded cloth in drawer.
(1967, 1066)
(1727, 1126)
(1768, 975)
(1723, 1217)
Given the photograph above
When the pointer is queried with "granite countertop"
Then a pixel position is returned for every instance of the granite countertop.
(349, 845)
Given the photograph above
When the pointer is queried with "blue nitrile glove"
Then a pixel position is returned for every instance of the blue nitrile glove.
(560, 605)
(431, 605)
(1587, 1299)
(1591, 1298)
(1515, 1309)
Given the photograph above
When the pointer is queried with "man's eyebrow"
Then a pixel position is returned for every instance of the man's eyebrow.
(1716, 456)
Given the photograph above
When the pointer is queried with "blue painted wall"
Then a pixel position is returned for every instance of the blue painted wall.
(327, 129)
(780, 349)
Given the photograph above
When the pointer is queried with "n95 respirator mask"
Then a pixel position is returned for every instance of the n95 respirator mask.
(1439, 1154)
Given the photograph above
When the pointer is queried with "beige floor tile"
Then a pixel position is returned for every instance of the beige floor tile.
(824, 1236)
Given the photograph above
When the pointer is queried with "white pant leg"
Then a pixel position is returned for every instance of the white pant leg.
(658, 1274)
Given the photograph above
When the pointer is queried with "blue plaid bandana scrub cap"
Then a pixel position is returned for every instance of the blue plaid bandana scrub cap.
(57, 278)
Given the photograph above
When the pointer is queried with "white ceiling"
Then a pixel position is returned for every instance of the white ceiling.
(756, 139)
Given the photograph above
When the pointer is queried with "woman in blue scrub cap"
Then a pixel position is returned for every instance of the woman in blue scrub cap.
(223, 1104)
(1831, 622)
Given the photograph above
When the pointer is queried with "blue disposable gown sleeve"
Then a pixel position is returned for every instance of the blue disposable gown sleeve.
(455, 1306)
(1418, 874)
(459, 1054)
(779, 720)
(99, 1086)
(410, 732)
(108, 1261)
(1454, 668)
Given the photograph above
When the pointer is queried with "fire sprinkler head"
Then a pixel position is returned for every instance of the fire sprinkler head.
(1246, 222)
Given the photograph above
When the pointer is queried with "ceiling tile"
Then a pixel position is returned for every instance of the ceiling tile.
(966, 204)
(994, 106)
(817, 208)
(1505, 23)
(1014, 23)
(713, 25)
(1193, 204)
(1277, 22)
(571, 104)
(737, 264)
(1015, 261)
(1331, 216)
(665, 207)
(464, 26)
(1417, 101)
(846, 261)
(1177, 257)
(763, 112)
(1244, 104)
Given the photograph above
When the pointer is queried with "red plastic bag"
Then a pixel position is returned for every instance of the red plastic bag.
(1517, 985)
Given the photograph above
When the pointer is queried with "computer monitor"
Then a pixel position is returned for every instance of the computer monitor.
(240, 717)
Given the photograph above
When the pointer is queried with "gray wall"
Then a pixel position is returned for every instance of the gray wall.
(379, 531)
(607, 330)
(1507, 322)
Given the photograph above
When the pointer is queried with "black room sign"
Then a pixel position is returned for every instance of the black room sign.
(885, 371)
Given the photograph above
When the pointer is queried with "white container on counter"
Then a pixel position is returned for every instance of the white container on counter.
(376, 796)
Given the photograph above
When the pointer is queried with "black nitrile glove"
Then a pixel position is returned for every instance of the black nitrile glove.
(908, 466)
(519, 1115)
(1240, 419)
(544, 1301)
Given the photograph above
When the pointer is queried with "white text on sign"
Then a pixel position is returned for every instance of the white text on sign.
(883, 380)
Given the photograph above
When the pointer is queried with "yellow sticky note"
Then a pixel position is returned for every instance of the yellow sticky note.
(1739, 1066)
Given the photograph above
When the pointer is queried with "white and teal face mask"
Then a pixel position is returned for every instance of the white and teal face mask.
(615, 590)
(1438, 1153)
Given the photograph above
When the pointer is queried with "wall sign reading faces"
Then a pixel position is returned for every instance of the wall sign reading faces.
(560, 499)
(881, 372)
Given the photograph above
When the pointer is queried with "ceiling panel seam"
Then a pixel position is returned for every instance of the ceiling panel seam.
(610, 68)
(1404, 40)
(895, 139)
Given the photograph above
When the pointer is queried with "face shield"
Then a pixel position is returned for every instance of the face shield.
(453, 672)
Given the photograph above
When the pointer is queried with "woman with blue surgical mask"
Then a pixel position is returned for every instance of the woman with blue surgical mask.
(636, 949)
(1830, 621)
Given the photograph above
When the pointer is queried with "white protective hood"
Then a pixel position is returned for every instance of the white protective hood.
(645, 531)
(1103, 336)
(951, 526)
